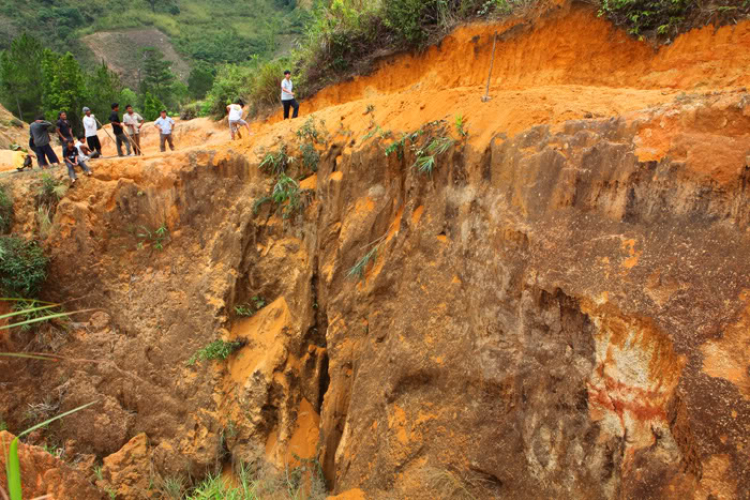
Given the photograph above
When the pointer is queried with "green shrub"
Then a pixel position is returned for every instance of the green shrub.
(232, 82)
(190, 111)
(247, 310)
(276, 163)
(310, 156)
(641, 17)
(22, 267)
(50, 191)
(266, 88)
(286, 192)
(408, 18)
(6, 210)
(217, 350)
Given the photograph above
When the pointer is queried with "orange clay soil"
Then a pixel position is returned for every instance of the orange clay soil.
(566, 64)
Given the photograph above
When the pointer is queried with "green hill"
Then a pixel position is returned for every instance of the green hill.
(213, 31)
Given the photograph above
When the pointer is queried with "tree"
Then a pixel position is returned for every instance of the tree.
(20, 74)
(64, 87)
(152, 106)
(158, 78)
(201, 79)
(103, 88)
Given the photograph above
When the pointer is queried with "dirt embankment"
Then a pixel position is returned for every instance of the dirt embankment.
(558, 310)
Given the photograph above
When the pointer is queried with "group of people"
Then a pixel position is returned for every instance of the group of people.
(76, 152)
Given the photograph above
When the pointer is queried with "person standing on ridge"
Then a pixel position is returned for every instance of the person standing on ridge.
(90, 127)
(64, 130)
(133, 123)
(165, 125)
(287, 95)
(114, 120)
(72, 160)
(39, 131)
(235, 119)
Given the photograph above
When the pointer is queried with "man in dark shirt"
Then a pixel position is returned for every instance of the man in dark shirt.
(64, 130)
(120, 137)
(39, 132)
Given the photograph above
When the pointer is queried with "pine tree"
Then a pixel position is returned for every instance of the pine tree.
(157, 77)
(20, 74)
(103, 89)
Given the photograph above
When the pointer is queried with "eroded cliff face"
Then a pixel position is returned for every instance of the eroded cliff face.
(559, 310)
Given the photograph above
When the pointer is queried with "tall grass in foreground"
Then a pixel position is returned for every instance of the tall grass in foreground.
(13, 464)
(33, 313)
(301, 483)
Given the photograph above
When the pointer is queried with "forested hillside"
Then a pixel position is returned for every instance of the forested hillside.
(201, 30)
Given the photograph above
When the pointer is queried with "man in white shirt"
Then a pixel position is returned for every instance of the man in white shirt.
(90, 127)
(235, 119)
(165, 125)
(287, 95)
(133, 123)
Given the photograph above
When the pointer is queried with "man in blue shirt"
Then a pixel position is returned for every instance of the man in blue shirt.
(165, 125)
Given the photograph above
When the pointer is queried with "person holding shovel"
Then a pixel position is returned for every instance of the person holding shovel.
(120, 137)
(133, 123)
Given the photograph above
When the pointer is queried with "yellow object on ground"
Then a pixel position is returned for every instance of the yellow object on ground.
(18, 158)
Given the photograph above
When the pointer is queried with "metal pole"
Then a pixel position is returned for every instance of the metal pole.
(486, 97)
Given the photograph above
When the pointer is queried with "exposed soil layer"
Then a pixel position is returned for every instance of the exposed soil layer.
(559, 310)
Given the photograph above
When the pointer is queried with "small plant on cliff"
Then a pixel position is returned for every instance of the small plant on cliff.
(310, 156)
(44, 221)
(34, 313)
(216, 350)
(309, 132)
(427, 157)
(248, 310)
(22, 267)
(358, 270)
(156, 238)
(287, 192)
(50, 191)
(276, 163)
(173, 487)
(6, 210)
(461, 127)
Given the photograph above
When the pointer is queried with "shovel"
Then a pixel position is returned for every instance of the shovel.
(486, 97)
